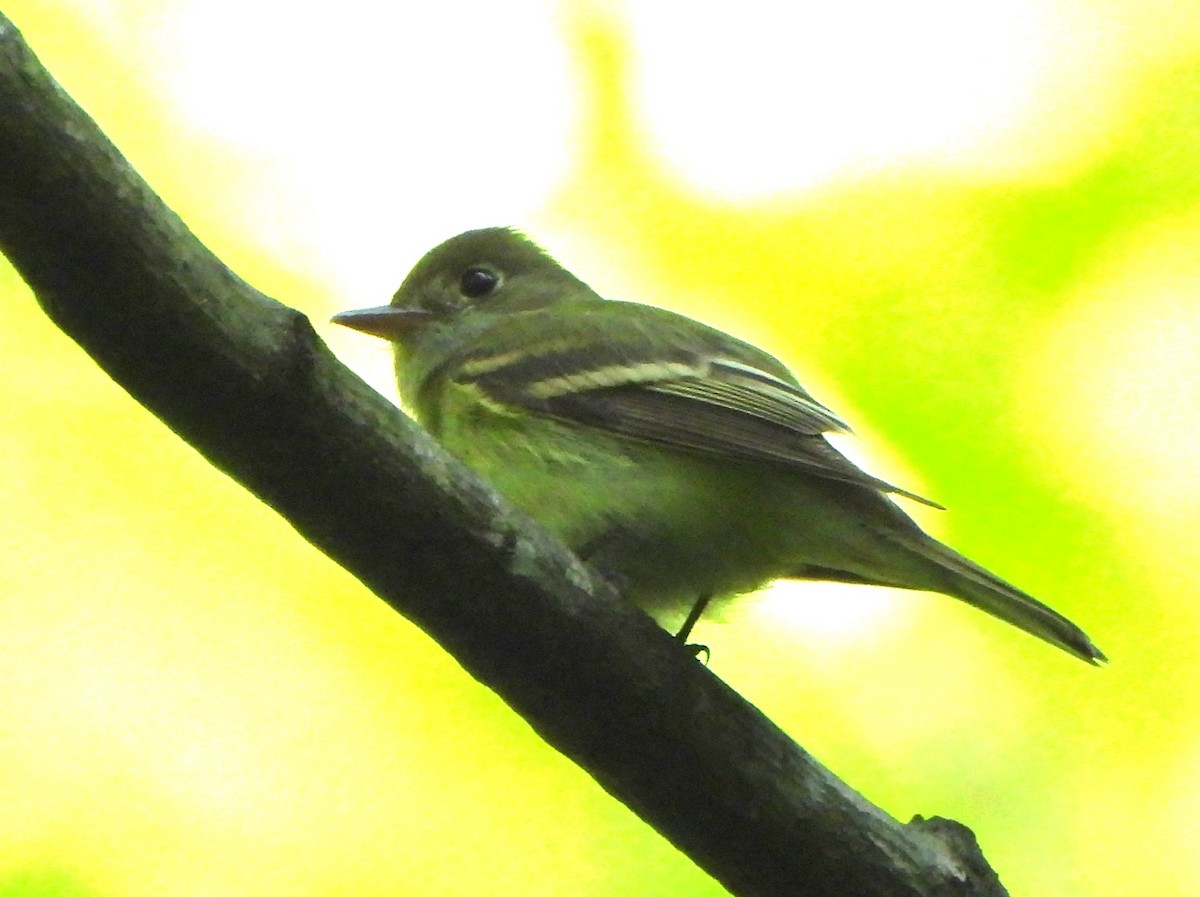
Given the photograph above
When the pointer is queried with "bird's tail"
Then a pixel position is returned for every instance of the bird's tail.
(955, 575)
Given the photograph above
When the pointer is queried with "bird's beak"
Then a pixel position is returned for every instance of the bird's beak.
(386, 321)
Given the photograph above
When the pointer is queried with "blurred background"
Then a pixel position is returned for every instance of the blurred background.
(971, 228)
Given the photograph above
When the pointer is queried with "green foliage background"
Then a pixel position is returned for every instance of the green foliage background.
(195, 702)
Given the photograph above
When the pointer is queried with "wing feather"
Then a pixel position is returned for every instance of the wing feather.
(682, 385)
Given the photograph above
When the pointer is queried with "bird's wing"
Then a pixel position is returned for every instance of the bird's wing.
(667, 380)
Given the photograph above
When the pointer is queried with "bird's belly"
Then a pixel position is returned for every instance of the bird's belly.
(666, 526)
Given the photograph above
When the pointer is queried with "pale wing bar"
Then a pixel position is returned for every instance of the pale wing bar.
(711, 406)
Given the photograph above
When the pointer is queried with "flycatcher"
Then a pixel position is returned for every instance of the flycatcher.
(681, 462)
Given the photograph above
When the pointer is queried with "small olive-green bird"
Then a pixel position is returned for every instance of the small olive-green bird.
(681, 462)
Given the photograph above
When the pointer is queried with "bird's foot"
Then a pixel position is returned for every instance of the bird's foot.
(696, 650)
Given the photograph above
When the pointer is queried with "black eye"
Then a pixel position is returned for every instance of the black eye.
(477, 282)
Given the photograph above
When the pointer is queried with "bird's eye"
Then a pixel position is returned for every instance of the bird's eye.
(477, 282)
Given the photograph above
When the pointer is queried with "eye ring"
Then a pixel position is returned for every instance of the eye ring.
(478, 282)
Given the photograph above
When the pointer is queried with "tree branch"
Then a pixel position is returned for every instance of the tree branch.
(247, 382)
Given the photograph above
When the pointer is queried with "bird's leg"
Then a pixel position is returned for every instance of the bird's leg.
(686, 629)
(591, 551)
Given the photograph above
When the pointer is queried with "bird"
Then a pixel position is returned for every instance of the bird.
(682, 463)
